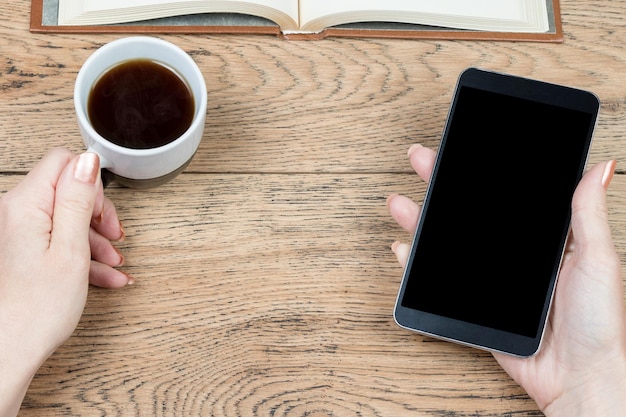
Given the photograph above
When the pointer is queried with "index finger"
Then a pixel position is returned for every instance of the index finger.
(422, 160)
(108, 223)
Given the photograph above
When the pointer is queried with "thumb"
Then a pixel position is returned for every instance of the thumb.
(590, 226)
(75, 197)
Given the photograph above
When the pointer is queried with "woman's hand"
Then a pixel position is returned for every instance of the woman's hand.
(56, 228)
(581, 366)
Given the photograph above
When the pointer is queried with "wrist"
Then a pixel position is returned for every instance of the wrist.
(18, 366)
(17, 374)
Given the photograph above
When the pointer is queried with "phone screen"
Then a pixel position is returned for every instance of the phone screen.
(496, 217)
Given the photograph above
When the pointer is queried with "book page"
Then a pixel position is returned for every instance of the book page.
(100, 12)
(488, 15)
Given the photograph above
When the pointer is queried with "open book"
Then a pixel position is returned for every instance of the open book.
(310, 17)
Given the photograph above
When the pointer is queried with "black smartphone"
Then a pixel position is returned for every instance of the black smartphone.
(495, 219)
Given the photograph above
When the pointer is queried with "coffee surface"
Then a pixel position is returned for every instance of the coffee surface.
(140, 104)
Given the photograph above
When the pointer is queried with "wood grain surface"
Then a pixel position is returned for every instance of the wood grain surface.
(264, 280)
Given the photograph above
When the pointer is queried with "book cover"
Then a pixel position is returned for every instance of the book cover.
(44, 15)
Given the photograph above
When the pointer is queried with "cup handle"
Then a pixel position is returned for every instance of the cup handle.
(106, 176)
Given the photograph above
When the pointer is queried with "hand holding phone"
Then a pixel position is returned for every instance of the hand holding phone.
(485, 258)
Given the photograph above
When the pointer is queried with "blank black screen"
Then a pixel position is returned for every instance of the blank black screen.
(491, 235)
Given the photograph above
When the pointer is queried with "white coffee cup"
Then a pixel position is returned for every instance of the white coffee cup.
(141, 168)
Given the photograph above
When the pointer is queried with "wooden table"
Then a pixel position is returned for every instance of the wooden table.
(264, 279)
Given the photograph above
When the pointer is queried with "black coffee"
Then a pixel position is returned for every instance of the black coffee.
(140, 104)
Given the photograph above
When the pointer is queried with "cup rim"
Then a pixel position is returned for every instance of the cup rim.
(80, 106)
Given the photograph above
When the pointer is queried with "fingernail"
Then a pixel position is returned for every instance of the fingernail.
(98, 218)
(122, 259)
(389, 198)
(413, 148)
(122, 233)
(607, 176)
(131, 280)
(87, 168)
